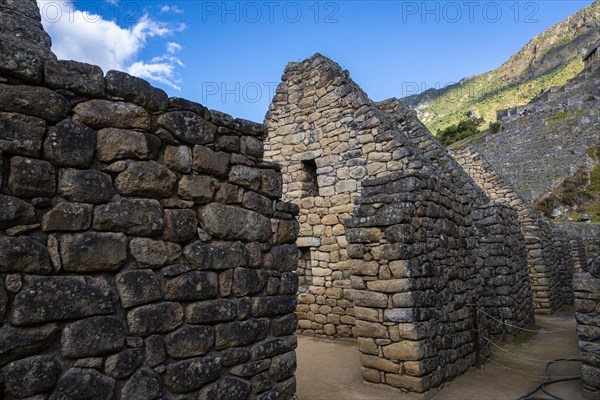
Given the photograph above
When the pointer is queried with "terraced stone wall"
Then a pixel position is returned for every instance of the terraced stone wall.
(144, 249)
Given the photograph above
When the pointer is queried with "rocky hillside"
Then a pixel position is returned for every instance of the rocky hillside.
(549, 59)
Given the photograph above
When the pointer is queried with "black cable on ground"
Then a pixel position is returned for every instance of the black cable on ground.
(549, 381)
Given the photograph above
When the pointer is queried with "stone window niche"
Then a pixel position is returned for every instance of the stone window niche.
(304, 270)
(308, 177)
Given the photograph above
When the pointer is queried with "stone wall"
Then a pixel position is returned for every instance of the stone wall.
(587, 307)
(404, 262)
(588, 232)
(144, 251)
(549, 271)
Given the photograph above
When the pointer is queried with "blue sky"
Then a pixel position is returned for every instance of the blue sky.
(229, 55)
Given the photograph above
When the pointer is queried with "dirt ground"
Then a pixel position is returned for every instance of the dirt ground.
(330, 370)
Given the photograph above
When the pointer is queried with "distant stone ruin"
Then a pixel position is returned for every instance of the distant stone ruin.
(144, 251)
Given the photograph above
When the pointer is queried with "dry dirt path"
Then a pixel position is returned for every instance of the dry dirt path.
(330, 370)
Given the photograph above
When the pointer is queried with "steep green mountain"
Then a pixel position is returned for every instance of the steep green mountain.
(550, 59)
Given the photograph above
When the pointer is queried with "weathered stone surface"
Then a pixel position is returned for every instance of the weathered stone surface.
(216, 255)
(123, 364)
(147, 179)
(23, 254)
(85, 186)
(21, 134)
(20, 342)
(282, 258)
(190, 341)
(44, 300)
(287, 232)
(154, 318)
(187, 127)
(194, 285)
(138, 287)
(68, 217)
(155, 350)
(105, 114)
(136, 90)
(145, 384)
(31, 178)
(14, 211)
(83, 383)
(150, 253)
(232, 389)
(23, 59)
(31, 375)
(365, 298)
(180, 225)
(246, 281)
(186, 376)
(272, 305)
(92, 336)
(34, 101)
(241, 224)
(178, 159)
(250, 369)
(198, 188)
(117, 144)
(75, 76)
(405, 350)
(69, 144)
(92, 251)
(271, 183)
(272, 347)
(246, 177)
(211, 162)
(208, 311)
(240, 333)
(284, 326)
(131, 216)
(283, 366)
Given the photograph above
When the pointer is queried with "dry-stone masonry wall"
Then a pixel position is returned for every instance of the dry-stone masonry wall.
(144, 252)
(587, 307)
(403, 264)
(550, 270)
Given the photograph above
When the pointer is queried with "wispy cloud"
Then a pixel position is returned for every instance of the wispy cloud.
(81, 36)
(173, 9)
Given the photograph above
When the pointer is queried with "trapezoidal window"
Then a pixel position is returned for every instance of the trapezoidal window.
(310, 187)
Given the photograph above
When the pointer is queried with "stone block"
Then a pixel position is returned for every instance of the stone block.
(273, 305)
(20, 342)
(131, 216)
(240, 333)
(31, 178)
(145, 384)
(272, 347)
(116, 114)
(84, 383)
(92, 251)
(117, 144)
(209, 311)
(34, 101)
(21, 134)
(30, 376)
(244, 225)
(136, 90)
(154, 318)
(138, 287)
(92, 336)
(146, 179)
(216, 255)
(210, 162)
(190, 341)
(150, 253)
(405, 350)
(123, 364)
(198, 188)
(283, 258)
(178, 159)
(366, 298)
(187, 127)
(67, 217)
(74, 76)
(188, 375)
(193, 285)
(180, 225)
(23, 254)
(379, 363)
(85, 186)
(246, 177)
(283, 366)
(69, 144)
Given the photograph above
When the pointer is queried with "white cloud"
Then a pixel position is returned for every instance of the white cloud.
(173, 47)
(89, 38)
(173, 9)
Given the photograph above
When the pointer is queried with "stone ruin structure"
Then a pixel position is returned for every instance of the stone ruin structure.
(144, 251)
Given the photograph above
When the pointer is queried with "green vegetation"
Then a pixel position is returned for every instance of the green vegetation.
(462, 130)
(550, 59)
